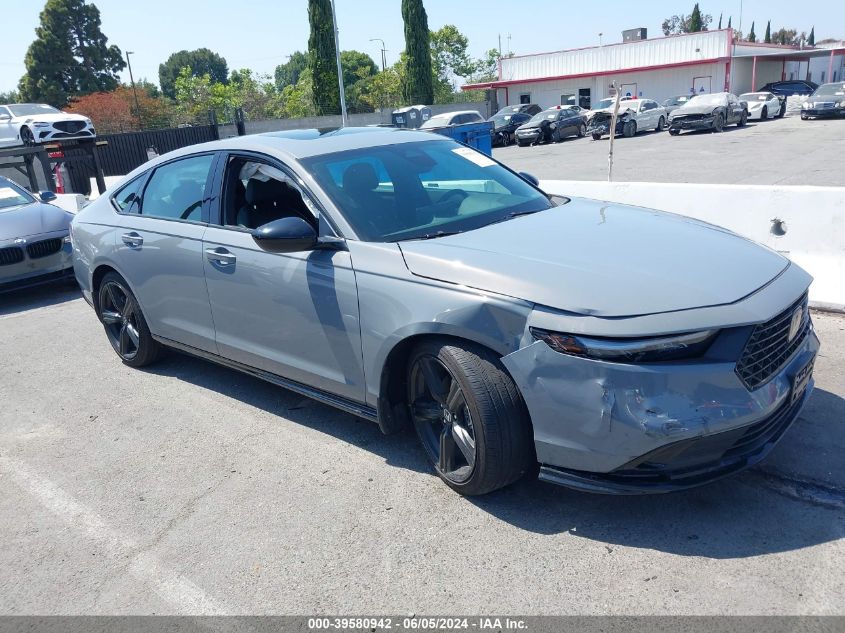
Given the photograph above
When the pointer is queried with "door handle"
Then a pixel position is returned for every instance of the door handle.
(132, 239)
(220, 256)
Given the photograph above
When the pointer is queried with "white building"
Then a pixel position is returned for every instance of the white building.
(709, 61)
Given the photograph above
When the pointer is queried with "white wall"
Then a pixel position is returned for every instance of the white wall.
(653, 84)
(813, 219)
(678, 49)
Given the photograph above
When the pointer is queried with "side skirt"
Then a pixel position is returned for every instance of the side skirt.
(338, 402)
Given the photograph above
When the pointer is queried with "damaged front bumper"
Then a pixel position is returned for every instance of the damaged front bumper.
(704, 122)
(627, 429)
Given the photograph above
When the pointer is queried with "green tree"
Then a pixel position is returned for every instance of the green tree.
(356, 66)
(768, 37)
(811, 40)
(720, 22)
(449, 53)
(418, 85)
(695, 22)
(197, 94)
(786, 36)
(729, 21)
(298, 99)
(202, 61)
(752, 37)
(255, 94)
(11, 96)
(70, 55)
(384, 90)
(322, 57)
(287, 74)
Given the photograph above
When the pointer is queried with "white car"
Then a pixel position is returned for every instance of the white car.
(635, 115)
(452, 118)
(761, 105)
(35, 123)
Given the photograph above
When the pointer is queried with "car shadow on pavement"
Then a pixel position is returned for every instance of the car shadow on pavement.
(401, 450)
(38, 297)
(760, 511)
(749, 514)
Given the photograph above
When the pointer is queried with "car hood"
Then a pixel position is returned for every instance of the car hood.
(32, 219)
(602, 259)
(694, 109)
(52, 118)
(530, 125)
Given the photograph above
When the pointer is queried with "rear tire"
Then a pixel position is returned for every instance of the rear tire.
(661, 125)
(469, 416)
(674, 132)
(782, 111)
(125, 325)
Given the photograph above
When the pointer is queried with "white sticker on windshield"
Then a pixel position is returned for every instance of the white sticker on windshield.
(8, 192)
(476, 157)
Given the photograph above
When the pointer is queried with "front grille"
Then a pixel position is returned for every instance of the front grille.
(10, 255)
(769, 346)
(44, 248)
(69, 126)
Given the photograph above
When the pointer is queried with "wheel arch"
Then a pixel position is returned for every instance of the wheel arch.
(392, 413)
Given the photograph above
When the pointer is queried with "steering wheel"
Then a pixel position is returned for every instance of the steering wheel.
(459, 194)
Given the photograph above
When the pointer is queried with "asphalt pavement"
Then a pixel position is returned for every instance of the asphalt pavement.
(187, 488)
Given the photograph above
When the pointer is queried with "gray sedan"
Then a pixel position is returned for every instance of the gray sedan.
(34, 239)
(415, 282)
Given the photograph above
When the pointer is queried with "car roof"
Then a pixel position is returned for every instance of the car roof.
(294, 145)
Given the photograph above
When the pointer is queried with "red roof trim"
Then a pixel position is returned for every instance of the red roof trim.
(603, 73)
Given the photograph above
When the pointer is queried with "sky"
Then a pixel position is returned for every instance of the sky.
(260, 34)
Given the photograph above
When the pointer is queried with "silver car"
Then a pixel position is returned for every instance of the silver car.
(413, 281)
(33, 123)
(34, 238)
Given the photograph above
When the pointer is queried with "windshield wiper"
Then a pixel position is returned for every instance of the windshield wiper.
(514, 214)
(431, 236)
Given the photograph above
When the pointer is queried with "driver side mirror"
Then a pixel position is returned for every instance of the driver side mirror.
(530, 178)
(286, 235)
(47, 196)
(5, 117)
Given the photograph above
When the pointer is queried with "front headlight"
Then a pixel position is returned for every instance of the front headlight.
(841, 104)
(628, 350)
(88, 121)
(36, 124)
(806, 105)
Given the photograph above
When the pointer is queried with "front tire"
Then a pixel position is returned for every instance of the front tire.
(125, 325)
(582, 131)
(764, 114)
(743, 120)
(804, 117)
(596, 137)
(661, 125)
(629, 129)
(674, 132)
(27, 137)
(469, 416)
(718, 123)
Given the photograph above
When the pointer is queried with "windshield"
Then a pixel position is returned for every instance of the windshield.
(605, 103)
(13, 196)
(830, 90)
(708, 100)
(755, 96)
(441, 120)
(421, 189)
(509, 110)
(676, 101)
(501, 119)
(551, 115)
(29, 109)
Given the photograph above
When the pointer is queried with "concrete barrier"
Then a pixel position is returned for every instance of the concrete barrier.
(806, 224)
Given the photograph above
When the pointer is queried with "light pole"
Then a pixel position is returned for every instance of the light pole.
(134, 90)
(339, 68)
(383, 51)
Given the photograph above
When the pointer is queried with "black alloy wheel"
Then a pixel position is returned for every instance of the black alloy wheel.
(27, 138)
(469, 416)
(442, 419)
(124, 323)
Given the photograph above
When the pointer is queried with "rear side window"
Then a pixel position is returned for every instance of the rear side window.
(176, 190)
(127, 195)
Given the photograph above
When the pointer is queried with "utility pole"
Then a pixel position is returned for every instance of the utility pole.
(134, 91)
(383, 53)
(339, 67)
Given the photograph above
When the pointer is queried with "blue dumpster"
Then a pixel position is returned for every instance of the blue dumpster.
(477, 135)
